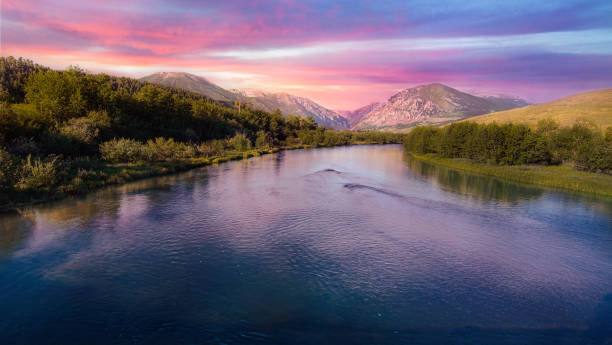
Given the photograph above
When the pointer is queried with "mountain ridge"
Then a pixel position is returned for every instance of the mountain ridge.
(429, 104)
(192, 83)
(267, 101)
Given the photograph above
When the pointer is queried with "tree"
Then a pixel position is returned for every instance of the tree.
(58, 95)
(240, 142)
(263, 140)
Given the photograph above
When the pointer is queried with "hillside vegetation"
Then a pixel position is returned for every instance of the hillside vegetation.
(594, 106)
(68, 132)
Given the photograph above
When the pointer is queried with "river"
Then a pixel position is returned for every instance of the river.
(325, 246)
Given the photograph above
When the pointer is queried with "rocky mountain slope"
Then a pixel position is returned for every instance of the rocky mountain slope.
(356, 115)
(290, 104)
(431, 104)
(267, 101)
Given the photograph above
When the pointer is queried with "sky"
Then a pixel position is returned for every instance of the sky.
(342, 54)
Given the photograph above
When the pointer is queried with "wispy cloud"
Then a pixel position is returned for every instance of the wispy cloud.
(575, 42)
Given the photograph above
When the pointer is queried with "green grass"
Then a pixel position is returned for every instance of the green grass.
(594, 106)
(561, 176)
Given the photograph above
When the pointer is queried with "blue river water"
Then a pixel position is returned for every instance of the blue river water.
(349, 245)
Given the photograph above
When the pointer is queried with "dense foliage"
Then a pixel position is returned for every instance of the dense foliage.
(582, 144)
(59, 129)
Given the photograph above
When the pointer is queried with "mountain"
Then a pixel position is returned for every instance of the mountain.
(432, 104)
(595, 106)
(290, 104)
(192, 83)
(286, 103)
(507, 102)
(355, 116)
(500, 98)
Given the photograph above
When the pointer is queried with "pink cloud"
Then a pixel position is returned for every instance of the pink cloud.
(134, 37)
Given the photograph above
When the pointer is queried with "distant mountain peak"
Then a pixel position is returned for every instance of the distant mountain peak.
(433, 103)
(168, 75)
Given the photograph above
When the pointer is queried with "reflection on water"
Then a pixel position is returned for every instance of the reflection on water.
(494, 189)
(483, 187)
(343, 245)
(14, 228)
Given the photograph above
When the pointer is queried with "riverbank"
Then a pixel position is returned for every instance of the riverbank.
(555, 176)
(112, 174)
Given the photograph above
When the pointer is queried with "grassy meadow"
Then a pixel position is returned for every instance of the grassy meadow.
(594, 106)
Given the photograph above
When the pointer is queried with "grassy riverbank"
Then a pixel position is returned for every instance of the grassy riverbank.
(556, 176)
(109, 174)
(102, 174)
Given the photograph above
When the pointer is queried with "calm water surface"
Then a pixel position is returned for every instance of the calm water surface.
(342, 245)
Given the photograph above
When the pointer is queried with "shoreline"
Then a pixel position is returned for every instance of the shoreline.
(562, 177)
(122, 173)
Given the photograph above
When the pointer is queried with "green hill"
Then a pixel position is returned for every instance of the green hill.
(594, 106)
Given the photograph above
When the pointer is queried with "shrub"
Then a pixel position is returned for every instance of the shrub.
(263, 140)
(212, 148)
(162, 149)
(86, 129)
(123, 150)
(37, 174)
(240, 142)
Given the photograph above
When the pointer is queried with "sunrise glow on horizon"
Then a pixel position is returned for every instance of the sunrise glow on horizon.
(342, 54)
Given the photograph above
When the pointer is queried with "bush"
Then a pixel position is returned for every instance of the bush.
(162, 149)
(37, 174)
(86, 129)
(263, 140)
(240, 142)
(123, 150)
(212, 148)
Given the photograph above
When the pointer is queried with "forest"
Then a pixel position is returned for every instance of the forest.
(68, 132)
(583, 145)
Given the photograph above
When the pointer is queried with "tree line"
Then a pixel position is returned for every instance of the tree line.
(582, 145)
